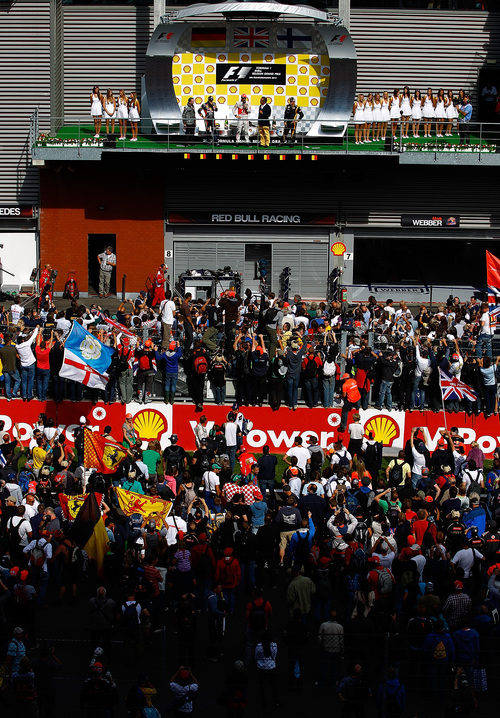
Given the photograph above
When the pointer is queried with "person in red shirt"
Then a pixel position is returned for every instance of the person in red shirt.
(247, 460)
(351, 396)
(42, 351)
(228, 575)
(158, 287)
(421, 525)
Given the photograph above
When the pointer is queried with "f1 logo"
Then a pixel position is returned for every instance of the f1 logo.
(236, 72)
(338, 39)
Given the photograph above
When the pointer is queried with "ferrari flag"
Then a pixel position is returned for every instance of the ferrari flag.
(101, 453)
(131, 503)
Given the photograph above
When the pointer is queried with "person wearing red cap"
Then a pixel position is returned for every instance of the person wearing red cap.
(146, 357)
(170, 357)
(124, 366)
(230, 302)
(241, 111)
(351, 396)
(228, 575)
(457, 606)
(158, 286)
(184, 687)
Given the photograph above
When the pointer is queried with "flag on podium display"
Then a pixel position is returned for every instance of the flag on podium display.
(85, 358)
(455, 390)
(493, 281)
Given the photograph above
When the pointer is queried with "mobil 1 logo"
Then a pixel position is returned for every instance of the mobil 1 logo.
(231, 74)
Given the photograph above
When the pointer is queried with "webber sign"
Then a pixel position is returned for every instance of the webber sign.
(229, 74)
(430, 220)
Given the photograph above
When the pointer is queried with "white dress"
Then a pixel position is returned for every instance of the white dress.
(377, 112)
(451, 111)
(385, 111)
(133, 114)
(122, 113)
(406, 107)
(428, 109)
(416, 109)
(368, 112)
(96, 108)
(395, 109)
(112, 113)
(359, 114)
(440, 111)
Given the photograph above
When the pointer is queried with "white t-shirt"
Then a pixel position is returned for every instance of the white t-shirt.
(167, 311)
(485, 324)
(30, 511)
(174, 527)
(16, 311)
(356, 431)
(210, 481)
(23, 529)
(465, 559)
(295, 486)
(336, 456)
(230, 432)
(302, 455)
(418, 462)
(386, 560)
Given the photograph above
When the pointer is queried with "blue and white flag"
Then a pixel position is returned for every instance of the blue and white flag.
(86, 359)
(2, 459)
(293, 39)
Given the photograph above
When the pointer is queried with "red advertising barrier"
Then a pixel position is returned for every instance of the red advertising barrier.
(278, 429)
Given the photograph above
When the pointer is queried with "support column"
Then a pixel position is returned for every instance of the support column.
(345, 13)
(159, 10)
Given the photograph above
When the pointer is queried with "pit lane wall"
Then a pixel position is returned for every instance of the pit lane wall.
(278, 429)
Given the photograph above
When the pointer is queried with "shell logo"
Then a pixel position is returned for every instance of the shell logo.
(384, 428)
(150, 424)
(338, 249)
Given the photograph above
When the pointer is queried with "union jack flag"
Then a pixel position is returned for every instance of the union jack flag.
(251, 37)
(454, 389)
(494, 304)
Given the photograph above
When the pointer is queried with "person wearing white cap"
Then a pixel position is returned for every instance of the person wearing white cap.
(241, 111)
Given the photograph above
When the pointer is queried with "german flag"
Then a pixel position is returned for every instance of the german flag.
(208, 37)
(89, 533)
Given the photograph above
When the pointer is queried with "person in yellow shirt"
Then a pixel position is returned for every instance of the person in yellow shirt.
(39, 455)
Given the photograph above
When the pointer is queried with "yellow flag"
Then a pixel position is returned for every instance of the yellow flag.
(132, 503)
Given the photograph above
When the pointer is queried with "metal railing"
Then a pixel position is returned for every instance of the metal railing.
(225, 134)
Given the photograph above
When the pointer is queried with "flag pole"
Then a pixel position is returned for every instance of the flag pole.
(442, 400)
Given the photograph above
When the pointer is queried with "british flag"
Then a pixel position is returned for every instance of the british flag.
(494, 304)
(251, 37)
(493, 281)
(454, 389)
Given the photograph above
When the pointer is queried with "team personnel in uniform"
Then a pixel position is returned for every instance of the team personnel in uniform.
(451, 113)
(440, 112)
(405, 111)
(241, 111)
(207, 111)
(395, 111)
(416, 112)
(358, 112)
(292, 115)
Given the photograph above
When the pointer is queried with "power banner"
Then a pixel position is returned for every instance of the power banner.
(158, 421)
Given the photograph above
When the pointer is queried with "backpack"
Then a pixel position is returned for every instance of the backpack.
(205, 463)
(439, 653)
(257, 617)
(24, 480)
(393, 515)
(302, 549)
(200, 364)
(343, 460)
(14, 537)
(311, 369)
(270, 315)
(122, 363)
(371, 454)
(384, 581)
(396, 474)
(358, 560)
(316, 460)
(37, 557)
(144, 362)
(130, 617)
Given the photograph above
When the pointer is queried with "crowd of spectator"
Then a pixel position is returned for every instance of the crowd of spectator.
(373, 354)
(339, 570)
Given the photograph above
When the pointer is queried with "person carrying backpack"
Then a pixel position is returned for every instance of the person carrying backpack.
(200, 362)
(380, 579)
(146, 358)
(301, 543)
(311, 367)
(398, 470)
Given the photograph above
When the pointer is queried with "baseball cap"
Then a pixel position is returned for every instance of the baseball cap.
(458, 586)
(125, 341)
(429, 586)
(97, 667)
(172, 346)
(83, 420)
(128, 416)
(148, 343)
(14, 570)
(243, 96)
(345, 376)
(174, 438)
(441, 442)
(216, 466)
(184, 674)
(294, 471)
(23, 575)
